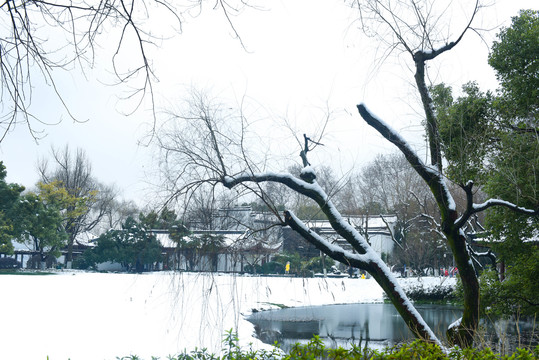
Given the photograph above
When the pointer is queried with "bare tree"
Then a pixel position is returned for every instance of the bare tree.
(423, 40)
(207, 145)
(389, 185)
(74, 172)
(116, 214)
(39, 38)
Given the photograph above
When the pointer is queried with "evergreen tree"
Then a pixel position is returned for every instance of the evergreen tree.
(40, 220)
(134, 246)
(9, 197)
(494, 141)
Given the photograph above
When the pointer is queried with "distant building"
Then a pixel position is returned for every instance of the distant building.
(218, 250)
(240, 240)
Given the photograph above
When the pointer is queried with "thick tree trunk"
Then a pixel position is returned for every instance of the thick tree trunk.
(463, 334)
(400, 301)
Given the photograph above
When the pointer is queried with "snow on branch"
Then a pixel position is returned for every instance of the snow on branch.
(472, 208)
(311, 190)
(391, 135)
(497, 202)
(315, 192)
(424, 55)
(366, 258)
(360, 261)
(432, 177)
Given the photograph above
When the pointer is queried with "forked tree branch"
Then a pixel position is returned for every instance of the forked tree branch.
(472, 208)
(366, 258)
(433, 178)
(497, 202)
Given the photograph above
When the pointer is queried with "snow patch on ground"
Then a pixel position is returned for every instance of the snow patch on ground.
(81, 315)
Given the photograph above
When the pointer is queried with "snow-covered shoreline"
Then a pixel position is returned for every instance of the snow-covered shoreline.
(84, 315)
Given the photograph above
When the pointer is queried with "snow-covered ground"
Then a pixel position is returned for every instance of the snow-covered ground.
(79, 315)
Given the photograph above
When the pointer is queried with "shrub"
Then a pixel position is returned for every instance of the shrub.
(273, 267)
(316, 349)
(431, 294)
(252, 269)
(9, 263)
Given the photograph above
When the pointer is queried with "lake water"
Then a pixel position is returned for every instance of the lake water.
(338, 325)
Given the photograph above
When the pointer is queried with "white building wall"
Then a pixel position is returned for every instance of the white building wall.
(381, 243)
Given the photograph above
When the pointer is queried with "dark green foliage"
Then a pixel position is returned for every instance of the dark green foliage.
(464, 130)
(300, 266)
(294, 259)
(315, 265)
(133, 246)
(515, 57)
(9, 198)
(273, 267)
(40, 223)
(517, 295)
(516, 166)
(510, 297)
(165, 220)
(436, 293)
(316, 349)
(9, 263)
(493, 140)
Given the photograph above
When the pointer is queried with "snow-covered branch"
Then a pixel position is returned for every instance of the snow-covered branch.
(336, 252)
(394, 137)
(423, 55)
(311, 190)
(497, 202)
(432, 177)
(366, 258)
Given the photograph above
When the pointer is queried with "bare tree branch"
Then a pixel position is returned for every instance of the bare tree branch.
(26, 52)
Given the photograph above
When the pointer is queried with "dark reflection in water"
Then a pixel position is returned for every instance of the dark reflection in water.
(339, 325)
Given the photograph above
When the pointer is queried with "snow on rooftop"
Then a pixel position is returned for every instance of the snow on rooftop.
(373, 223)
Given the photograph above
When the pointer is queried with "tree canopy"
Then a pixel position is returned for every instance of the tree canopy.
(41, 219)
(493, 140)
(133, 246)
(9, 199)
(72, 172)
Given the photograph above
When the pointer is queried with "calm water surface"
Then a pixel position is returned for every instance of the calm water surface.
(338, 325)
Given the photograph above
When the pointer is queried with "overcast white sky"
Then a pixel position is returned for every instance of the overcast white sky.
(300, 55)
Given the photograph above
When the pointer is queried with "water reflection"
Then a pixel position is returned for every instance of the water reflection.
(339, 325)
